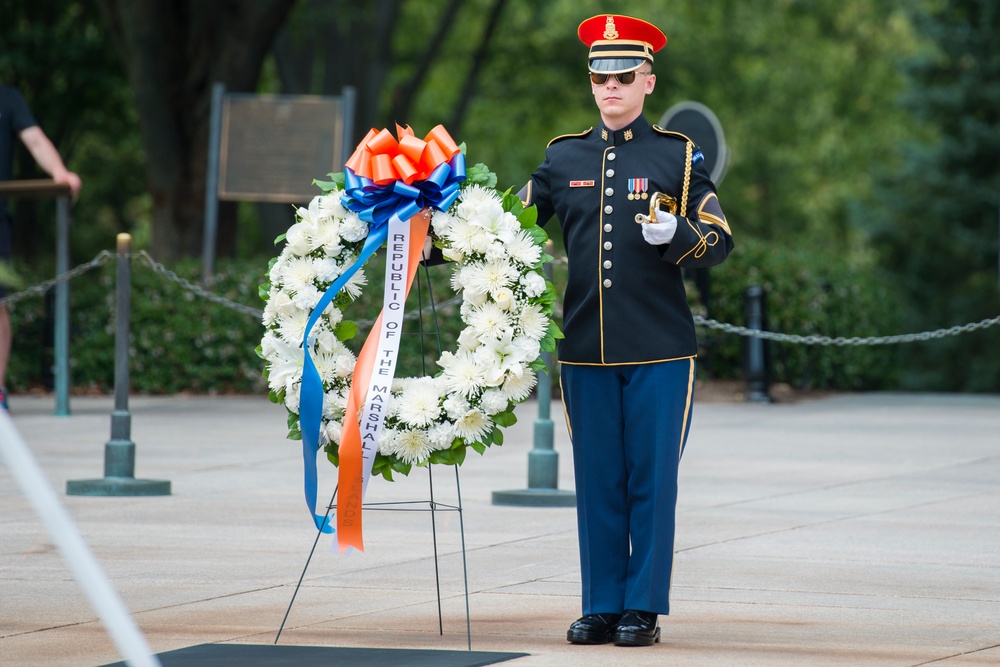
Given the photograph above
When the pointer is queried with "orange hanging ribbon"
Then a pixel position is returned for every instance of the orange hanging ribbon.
(351, 478)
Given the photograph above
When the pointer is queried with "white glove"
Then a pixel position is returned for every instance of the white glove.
(662, 231)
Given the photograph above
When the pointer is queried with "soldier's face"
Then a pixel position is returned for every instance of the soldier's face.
(619, 103)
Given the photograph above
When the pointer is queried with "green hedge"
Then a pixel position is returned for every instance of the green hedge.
(808, 292)
(182, 342)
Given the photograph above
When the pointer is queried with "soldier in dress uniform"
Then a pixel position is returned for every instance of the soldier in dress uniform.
(628, 359)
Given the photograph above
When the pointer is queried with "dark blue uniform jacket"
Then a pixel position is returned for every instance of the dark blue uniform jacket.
(625, 299)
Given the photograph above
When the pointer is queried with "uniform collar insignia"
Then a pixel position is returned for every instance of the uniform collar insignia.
(636, 129)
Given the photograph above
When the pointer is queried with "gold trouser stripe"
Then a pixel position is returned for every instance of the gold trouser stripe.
(687, 408)
(562, 399)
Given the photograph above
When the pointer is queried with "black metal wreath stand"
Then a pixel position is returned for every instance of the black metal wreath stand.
(432, 505)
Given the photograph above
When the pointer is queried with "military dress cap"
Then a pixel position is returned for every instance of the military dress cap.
(619, 43)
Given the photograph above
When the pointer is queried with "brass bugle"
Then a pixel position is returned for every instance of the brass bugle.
(669, 203)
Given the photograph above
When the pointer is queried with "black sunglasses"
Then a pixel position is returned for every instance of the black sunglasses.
(624, 78)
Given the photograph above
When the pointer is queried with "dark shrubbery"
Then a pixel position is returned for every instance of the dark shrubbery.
(182, 342)
(807, 293)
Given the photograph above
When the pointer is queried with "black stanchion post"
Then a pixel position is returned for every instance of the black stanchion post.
(543, 460)
(119, 452)
(756, 353)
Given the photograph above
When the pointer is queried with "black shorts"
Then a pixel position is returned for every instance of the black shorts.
(5, 225)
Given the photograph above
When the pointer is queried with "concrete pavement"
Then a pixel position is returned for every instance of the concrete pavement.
(857, 529)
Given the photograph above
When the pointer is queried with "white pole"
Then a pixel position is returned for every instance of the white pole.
(102, 596)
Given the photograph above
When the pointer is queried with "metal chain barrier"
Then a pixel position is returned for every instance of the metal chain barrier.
(846, 341)
(102, 257)
(197, 289)
(247, 310)
(106, 256)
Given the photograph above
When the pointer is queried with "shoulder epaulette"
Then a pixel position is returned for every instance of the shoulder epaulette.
(671, 133)
(569, 136)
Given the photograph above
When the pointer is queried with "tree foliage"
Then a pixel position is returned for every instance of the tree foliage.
(807, 92)
(938, 219)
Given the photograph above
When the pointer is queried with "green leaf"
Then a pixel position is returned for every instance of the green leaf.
(529, 218)
(345, 330)
(505, 419)
(497, 437)
(480, 174)
(479, 447)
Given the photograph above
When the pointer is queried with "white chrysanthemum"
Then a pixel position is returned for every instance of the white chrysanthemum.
(333, 315)
(522, 248)
(333, 405)
(488, 321)
(468, 238)
(292, 327)
(532, 322)
(456, 405)
(292, 399)
(461, 373)
(533, 284)
(412, 446)
(297, 274)
(496, 252)
(387, 441)
(441, 223)
(326, 366)
(491, 276)
(441, 435)
(353, 228)
(330, 205)
(517, 388)
(473, 425)
(326, 269)
(419, 404)
(480, 198)
(352, 287)
(493, 401)
(306, 298)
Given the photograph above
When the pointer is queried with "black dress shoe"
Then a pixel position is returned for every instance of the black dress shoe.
(636, 628)
(592, 629)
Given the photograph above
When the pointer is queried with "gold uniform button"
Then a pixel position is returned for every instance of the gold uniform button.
(608, 227)
(607, 264)
(607, 283)
(607, 245)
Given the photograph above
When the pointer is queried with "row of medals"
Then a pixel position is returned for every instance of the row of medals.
(635, 195)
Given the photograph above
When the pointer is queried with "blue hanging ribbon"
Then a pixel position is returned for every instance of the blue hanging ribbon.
(376, 205)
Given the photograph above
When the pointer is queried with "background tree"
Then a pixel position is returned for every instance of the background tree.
(938, 230)
(57, 53)
(174, 52)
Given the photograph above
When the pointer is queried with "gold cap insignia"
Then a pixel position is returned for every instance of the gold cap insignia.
(610, 32)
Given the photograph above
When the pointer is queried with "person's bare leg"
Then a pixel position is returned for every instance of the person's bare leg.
(5, 343)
